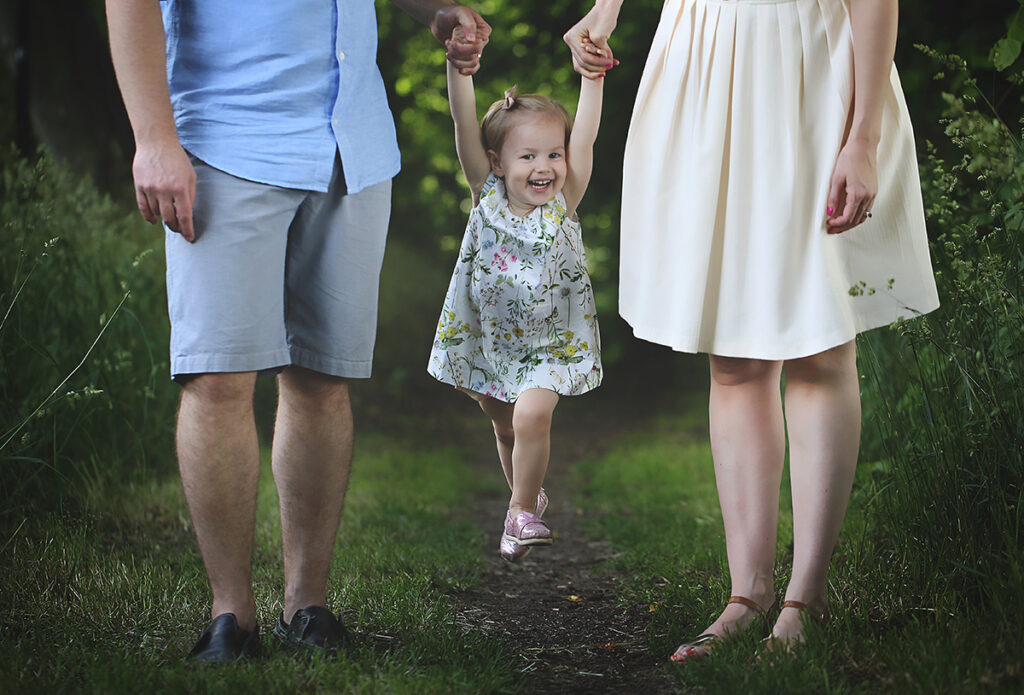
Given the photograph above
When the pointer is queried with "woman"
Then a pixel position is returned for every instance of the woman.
(762, 132)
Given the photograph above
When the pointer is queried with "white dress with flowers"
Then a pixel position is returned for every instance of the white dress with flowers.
(519, 312)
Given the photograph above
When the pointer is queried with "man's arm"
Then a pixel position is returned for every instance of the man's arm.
(165, 182)
(442, 16)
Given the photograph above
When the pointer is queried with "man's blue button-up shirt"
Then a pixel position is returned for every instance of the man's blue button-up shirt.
(270, 90)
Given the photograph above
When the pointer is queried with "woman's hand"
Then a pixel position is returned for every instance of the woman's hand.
(588, 41)
(853, 188)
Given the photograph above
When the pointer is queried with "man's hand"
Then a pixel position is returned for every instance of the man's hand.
(165, 186)
(463, 32)
(165, 182)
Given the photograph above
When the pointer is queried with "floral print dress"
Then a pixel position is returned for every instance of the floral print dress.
(519, 312)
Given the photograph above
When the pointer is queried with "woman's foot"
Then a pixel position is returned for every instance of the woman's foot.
(737, 616)
(739, 613)
(793, 619)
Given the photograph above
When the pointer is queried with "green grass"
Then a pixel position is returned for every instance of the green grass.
(653, 498)
(110, 602)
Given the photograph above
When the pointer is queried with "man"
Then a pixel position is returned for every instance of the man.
(265, 145)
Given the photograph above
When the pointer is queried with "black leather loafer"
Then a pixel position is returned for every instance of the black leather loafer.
(223, 642)
(314, 627)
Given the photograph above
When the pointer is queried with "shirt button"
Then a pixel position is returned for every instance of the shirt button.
(335, 121)
(341, 55)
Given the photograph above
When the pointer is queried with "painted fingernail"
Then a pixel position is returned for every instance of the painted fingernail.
(829, 211)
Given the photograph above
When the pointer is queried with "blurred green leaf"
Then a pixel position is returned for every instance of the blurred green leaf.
(1005, 53)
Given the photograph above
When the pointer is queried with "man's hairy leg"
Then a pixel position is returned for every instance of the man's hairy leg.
(312, 457)
(218, 455)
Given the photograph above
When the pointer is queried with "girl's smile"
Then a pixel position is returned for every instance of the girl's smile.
(532, 162)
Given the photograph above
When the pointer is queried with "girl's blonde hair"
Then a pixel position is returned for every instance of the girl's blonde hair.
(502, 114)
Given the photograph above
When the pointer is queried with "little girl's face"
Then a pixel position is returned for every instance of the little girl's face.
(532, 161)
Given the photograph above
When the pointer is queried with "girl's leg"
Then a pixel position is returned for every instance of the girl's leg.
(531, 422)
(748, 445)
(823, 417)
(500, 413)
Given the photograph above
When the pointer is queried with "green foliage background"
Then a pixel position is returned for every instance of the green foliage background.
(84, 394)
(943, 397)
(87, 410)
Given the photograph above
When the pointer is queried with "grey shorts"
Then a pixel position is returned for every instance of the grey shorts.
(276, 277)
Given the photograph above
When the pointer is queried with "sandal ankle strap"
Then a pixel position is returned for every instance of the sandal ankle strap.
(823, 616)
(744, 601)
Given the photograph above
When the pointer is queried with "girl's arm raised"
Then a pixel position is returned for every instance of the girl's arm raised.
(472, 156)
(581, 142)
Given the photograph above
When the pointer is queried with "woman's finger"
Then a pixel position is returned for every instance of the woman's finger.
(853, 212)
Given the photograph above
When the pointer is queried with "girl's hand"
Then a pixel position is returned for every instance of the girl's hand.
(463, 32)
(588, 41)
(853, 188)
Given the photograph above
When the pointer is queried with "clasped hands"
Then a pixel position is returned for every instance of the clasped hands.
(464, 34)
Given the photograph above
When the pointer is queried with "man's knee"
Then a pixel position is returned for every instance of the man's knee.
(222, 389)
(300, 384)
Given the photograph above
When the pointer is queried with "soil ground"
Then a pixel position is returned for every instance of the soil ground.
(559, 608)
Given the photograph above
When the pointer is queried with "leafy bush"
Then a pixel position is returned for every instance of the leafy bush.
(84, 395)
(944, 394)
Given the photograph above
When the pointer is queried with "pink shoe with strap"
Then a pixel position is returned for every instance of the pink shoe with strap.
(521, 533)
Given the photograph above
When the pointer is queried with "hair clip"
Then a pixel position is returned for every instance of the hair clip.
(510, 98)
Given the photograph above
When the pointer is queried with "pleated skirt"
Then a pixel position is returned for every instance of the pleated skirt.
(739, 118)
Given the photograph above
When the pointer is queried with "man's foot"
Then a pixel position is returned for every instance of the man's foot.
(314, 627)
(222, 641)
(738, 615)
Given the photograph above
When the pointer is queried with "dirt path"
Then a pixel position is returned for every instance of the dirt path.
(558, 608)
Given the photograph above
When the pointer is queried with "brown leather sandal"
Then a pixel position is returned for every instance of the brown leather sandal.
(773, 643)
(822, 617)
(701, 645)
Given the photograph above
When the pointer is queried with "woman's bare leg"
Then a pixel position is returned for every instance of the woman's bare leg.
(823, 418)
(748, 444)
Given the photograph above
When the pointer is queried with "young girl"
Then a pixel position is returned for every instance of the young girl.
(518, 327)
